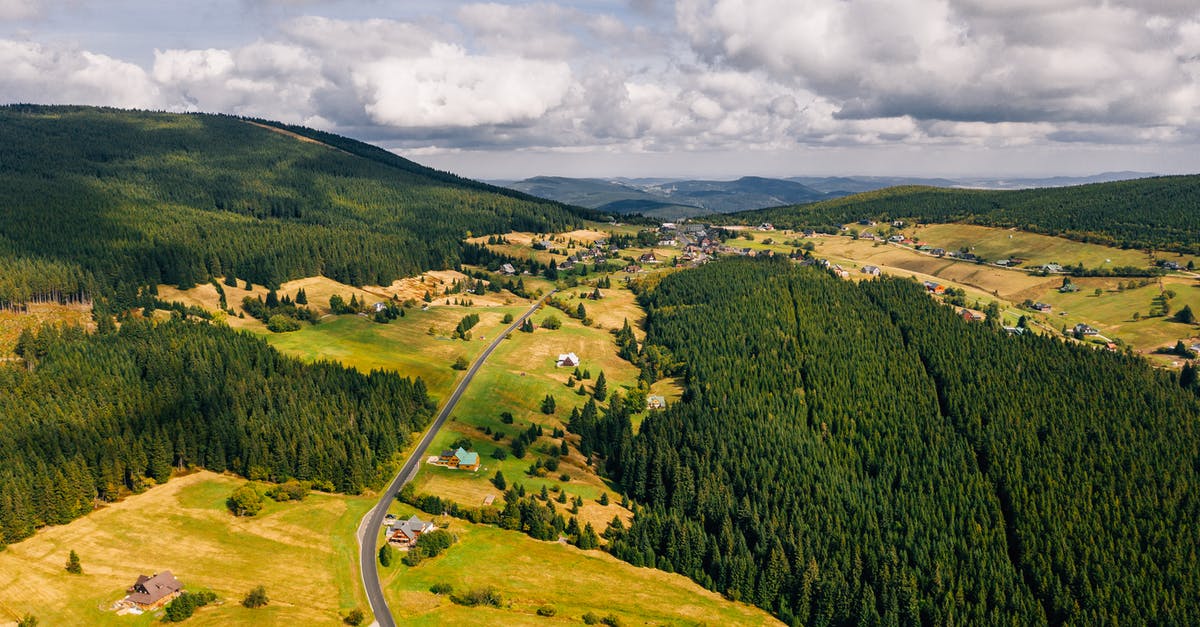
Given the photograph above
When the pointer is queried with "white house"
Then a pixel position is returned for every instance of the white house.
(567, 360)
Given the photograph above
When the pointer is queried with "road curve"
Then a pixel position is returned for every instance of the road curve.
(368, 529)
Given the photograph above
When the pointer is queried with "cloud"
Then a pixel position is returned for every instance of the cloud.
(47, 74)
(962, 60)
(449, 88)
(19, 9)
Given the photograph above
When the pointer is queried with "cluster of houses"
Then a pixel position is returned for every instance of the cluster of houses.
(403, 534)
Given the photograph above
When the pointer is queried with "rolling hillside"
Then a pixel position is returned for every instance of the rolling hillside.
(1160, 212)
(99, 200)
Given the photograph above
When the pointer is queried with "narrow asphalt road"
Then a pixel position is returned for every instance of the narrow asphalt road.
(368, 529)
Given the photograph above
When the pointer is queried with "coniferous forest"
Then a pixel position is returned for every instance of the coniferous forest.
(860, 455)
(98, 416)
(1160, 212)
(98, 200)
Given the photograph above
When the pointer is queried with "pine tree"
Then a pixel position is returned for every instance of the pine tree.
(499, 481)
(600, 391)
(301, 297)
(73, 565)
(548, 405)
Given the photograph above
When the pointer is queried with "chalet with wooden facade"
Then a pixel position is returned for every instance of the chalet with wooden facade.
(567, 360)
(461, 459)
(152, 592)
(404, 534)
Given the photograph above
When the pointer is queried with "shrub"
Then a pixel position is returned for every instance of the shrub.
(186, 604)
(354, 617)
(413, 557)
(289, 491)
(590, 619)
(460, 363)
(245, 501)
(564, 477)
(611, 621)
(256, 598)
(479, 596)
(29, 620)
(546, 610)
(386, 555)
(280, 323)
(441, 588)
(432, 544)
(551, 322)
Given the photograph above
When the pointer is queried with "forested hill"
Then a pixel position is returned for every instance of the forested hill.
(1162, 212)
(95, 199)
(858, 455)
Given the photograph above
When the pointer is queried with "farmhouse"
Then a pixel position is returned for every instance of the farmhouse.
(1042, 307)
(648, 258)
(1083, 329)
(766, 226)
(460, 459)
(866, 235)
(871, 270)
(153, 592)
(404, 534)
(567, 360)
(655, 402)
(971, 316)
(508, 269)
(934, 288)
(1052, 268)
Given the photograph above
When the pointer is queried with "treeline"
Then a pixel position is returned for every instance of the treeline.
(1161, 212)
(860, 455)
(136, 198)
(99, 416)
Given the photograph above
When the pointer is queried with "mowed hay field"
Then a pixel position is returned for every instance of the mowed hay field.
(530, 574)
(1112, 311)
(993, 244)
(303, 553)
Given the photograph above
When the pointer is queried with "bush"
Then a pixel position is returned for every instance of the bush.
(29, 620)
(551, 322)
(479, 596)
(289, 491)
(186, 604)
(432, 544)
(256, 598)
(386, 555)
(280, 323)
(460, 363)
(245, 501)
(441, 588)
(546, 610)
(590, 619)
(412, 558)
(354, 617)
(611, 621)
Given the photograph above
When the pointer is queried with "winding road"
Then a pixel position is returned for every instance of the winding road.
(368, 529)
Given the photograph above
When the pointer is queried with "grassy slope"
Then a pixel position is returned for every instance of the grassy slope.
(303, 553)
(530, 573)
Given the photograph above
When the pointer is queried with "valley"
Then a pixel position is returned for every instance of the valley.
(909, 415)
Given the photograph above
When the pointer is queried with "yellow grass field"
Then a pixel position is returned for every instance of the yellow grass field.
(303, 553)
(530, 574)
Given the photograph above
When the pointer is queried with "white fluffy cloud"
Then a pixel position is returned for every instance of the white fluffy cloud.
(31, 72)
(711, 75)
(449, 88)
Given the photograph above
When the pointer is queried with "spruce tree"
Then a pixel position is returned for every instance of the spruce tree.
(600, 391)
(73, 565)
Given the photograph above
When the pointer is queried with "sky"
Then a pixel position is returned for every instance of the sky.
(653, 88)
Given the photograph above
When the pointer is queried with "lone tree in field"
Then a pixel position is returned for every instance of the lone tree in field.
(1185, 315)
(548, 405)
(73, 565)
(460, 363)
(256, 598)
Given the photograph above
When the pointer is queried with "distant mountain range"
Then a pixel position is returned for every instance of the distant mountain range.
(668, 198)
